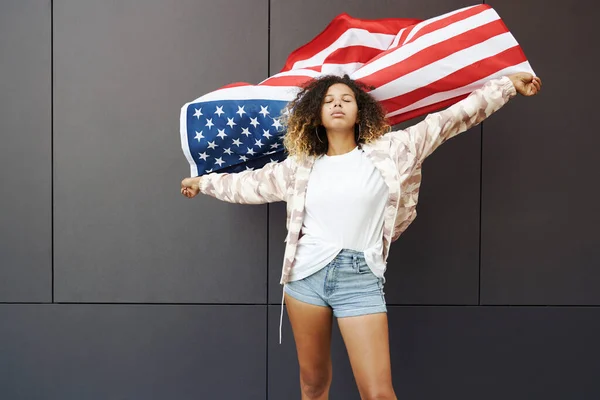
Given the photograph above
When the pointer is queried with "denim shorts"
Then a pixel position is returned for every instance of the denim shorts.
(346, 284)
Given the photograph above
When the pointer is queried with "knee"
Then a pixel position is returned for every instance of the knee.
(379, 394)
(314, 383)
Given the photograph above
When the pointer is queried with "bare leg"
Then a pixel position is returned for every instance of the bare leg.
(312, 332)
(367, 342)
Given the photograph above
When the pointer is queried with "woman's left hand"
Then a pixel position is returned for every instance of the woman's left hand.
(526, 84)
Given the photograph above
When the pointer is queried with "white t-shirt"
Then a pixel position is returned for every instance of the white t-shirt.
(345, 201)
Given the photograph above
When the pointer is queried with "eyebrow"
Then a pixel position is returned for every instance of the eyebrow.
(345, 94)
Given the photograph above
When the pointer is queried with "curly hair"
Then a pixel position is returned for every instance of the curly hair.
(303, 121)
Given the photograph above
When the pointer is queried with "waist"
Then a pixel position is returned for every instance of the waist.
(349, 253)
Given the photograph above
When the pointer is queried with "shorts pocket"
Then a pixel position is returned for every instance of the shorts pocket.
(360, 266)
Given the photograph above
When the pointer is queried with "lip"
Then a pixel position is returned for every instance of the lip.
(337, 114)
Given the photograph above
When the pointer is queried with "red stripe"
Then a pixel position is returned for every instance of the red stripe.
(471, 73)
(315, 68)
(396, 119)
(352, 54)
(235, 84)
(405, 34)
(431, 54)
(291, 80)
(444, 22)
(337, 27)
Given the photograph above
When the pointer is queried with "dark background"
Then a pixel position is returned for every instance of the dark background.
(114, 286)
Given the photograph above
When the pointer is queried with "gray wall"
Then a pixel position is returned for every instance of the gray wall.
(114, 286)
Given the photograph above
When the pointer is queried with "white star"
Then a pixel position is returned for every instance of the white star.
(243, 158)
(270, 152)
(230, 122)
(209, 123)
(198, 112)
(275, 145)
(222, 134)
(263, 111)
(212, 145)
(219, 161)
(199, 136)
(208, 171)
(276, 123)
(254, 122)
(219, 111)
(246, 132)
(228, 151)
(250, 151)
(286, 111)
(240, 110)
(271, 160)
(249, 169)
(266, 133)
(258, 143)
(237, 142)
(203, 156)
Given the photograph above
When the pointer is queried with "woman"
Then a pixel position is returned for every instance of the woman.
(351, 189)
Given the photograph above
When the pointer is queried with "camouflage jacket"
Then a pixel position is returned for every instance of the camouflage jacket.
(398, 155)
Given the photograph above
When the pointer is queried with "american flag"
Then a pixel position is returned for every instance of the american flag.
(416, 67)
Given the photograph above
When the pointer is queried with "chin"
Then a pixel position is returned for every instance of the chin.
(340, 125)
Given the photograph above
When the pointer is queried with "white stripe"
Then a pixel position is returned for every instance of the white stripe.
(351, 37)
(428, 40)
(340, 69)
(437, 97)
(444, 67)
(184, 140)
(429, 21)
(397, 38)
(250, 92)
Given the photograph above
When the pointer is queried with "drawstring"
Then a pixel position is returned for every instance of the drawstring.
(281, 315)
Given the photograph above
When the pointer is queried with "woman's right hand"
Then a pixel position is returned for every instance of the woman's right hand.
(190, 187)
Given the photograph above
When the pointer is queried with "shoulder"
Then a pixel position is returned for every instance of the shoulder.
(390, 141)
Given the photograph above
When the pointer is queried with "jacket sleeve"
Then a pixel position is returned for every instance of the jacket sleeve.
(436, 128)
(265, 185)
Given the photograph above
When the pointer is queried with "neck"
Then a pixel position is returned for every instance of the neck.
(340, 143)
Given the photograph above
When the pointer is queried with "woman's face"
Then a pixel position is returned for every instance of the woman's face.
(339, 110)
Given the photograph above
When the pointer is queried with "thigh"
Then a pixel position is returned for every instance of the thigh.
(367, 342)
(311, 325)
